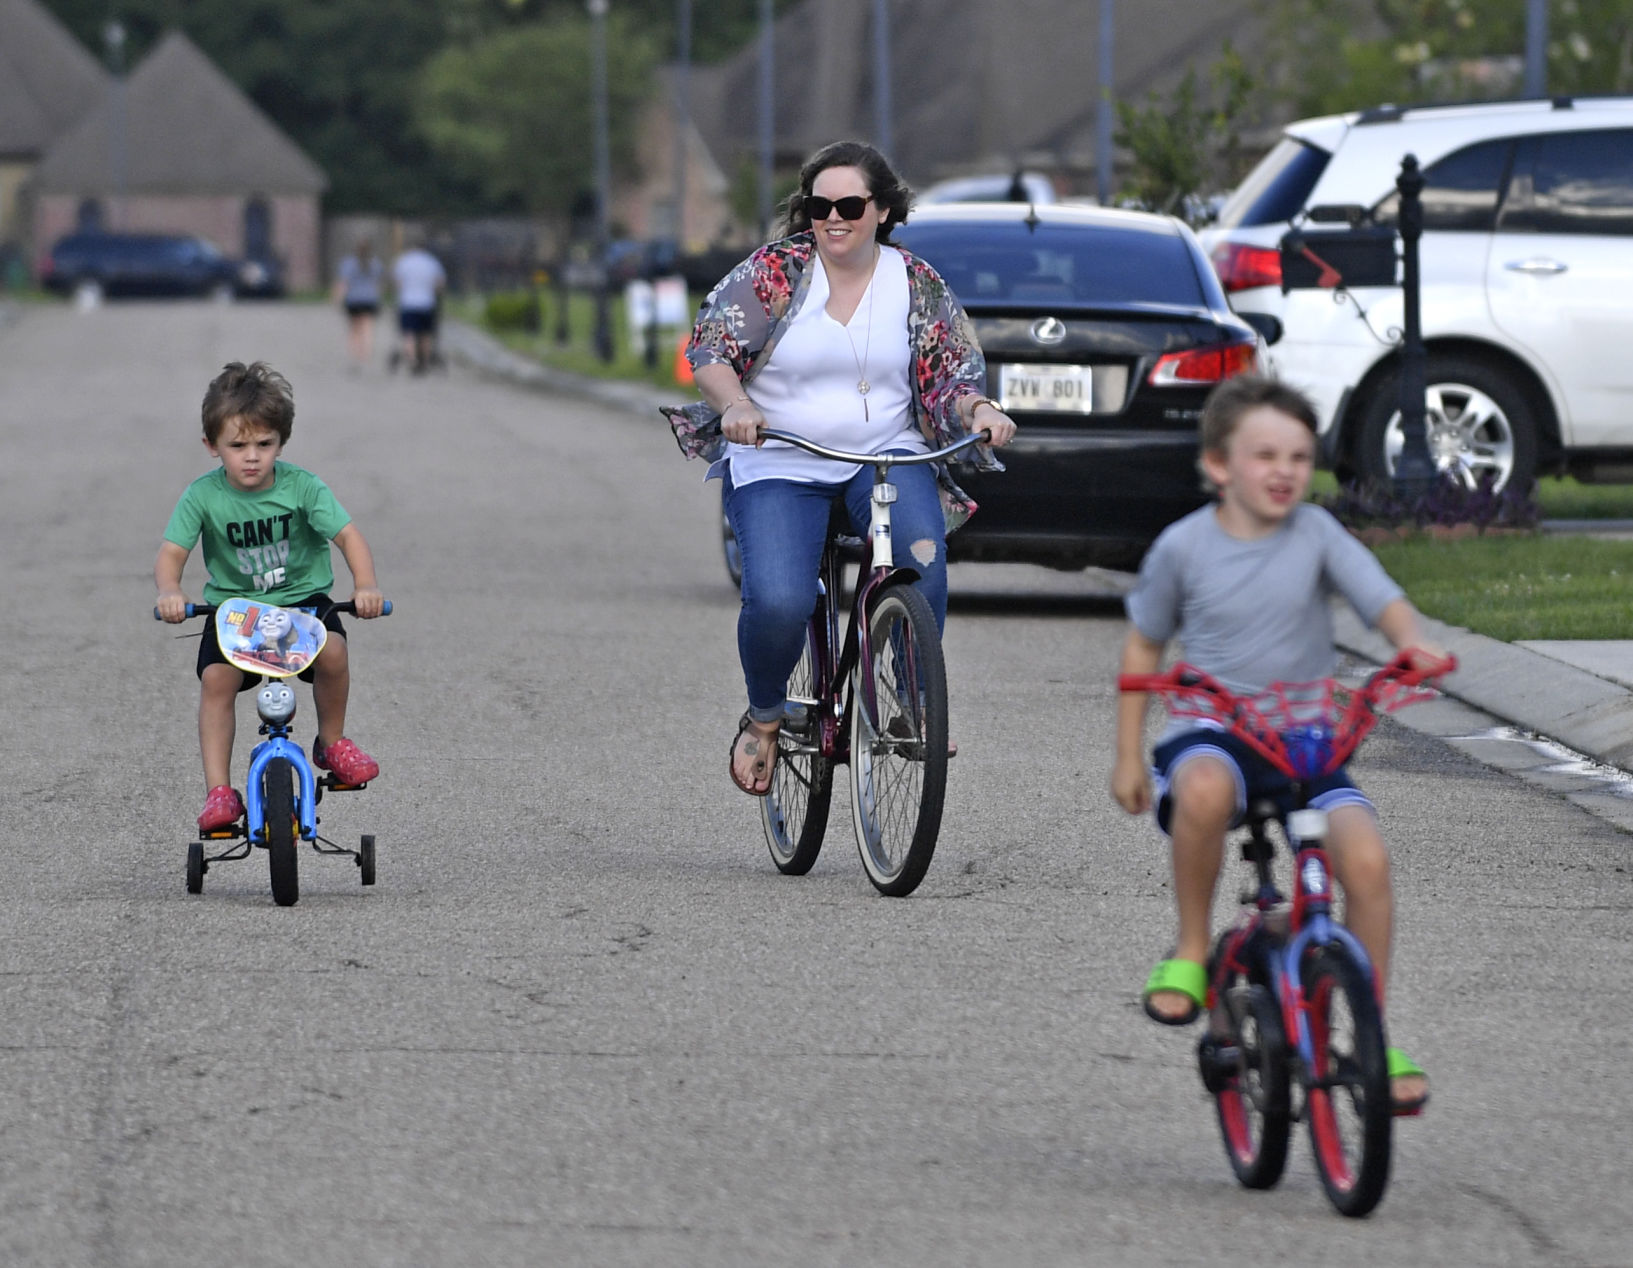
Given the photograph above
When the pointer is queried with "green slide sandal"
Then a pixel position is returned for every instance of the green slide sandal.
(1183, 977)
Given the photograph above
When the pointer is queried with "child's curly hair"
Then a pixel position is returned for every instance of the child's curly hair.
(254, 393)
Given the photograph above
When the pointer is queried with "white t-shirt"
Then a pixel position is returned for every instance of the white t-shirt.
(417, 276)
(809, 386)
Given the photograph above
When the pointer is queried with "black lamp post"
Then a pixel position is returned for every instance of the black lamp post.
(1415, 468)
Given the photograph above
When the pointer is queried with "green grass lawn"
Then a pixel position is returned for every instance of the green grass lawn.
(1519, 587)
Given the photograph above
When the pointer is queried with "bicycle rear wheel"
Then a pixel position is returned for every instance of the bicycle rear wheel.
(898, 758)
(278, 804)
(1348, 1105)
(1247, 1072)
(795, 811)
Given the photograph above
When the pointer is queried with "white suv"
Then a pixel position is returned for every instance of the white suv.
(1527, 283)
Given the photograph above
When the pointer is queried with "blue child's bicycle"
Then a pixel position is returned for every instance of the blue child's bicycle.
(282, 791)
(1292, 1001)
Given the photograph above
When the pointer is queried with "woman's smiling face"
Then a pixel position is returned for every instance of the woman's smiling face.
(846, 242)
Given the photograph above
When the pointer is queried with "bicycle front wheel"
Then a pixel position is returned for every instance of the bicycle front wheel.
(795, 811)
(1251, 1089)
(1347, 1103)
(278, 803)
(898, 752)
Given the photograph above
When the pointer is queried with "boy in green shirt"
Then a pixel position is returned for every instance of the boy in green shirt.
(265, 526)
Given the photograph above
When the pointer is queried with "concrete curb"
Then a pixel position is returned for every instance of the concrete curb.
(487, 355)
(1579, 709)
(1590, 714)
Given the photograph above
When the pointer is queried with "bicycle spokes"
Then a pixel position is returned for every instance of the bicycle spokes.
(899, 741)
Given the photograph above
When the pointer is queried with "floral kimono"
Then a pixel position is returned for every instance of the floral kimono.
(745, 315)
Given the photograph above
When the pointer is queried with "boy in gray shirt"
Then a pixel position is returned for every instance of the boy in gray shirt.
(1245, 585)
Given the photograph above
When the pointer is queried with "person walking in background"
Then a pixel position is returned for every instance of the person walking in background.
(357, 290)
(418, 279)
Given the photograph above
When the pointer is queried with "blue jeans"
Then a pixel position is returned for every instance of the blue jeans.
(781, 528)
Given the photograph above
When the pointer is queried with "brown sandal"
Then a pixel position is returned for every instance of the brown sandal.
(763, 766)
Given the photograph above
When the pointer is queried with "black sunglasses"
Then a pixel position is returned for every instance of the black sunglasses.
(850, 208)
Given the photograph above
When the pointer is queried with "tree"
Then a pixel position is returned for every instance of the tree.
(1328, 56)
(1190, 144)
(512, 111)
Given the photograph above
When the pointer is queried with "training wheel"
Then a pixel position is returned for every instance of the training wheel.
(365, 859)
(196, 867)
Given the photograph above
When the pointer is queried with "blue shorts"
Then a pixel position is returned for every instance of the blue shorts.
(1256, 779)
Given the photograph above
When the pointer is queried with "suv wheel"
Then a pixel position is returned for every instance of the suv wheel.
(1478, 422)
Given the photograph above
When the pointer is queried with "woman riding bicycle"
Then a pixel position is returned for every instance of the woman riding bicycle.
(829, 335)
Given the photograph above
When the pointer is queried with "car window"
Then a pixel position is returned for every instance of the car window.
(1460, 190)
(1009, 263)
(1572, 182)
(1277, 189)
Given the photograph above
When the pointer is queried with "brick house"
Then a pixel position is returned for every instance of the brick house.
(177, 147)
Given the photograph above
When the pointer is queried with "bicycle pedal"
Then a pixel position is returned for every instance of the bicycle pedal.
(334, 785)
(222, 834)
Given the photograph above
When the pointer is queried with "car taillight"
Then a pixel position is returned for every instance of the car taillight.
(1242, 267)
(1204, 365)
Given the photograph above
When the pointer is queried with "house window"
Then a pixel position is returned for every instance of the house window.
(88, 219)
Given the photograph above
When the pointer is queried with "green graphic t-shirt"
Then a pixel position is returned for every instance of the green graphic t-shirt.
(273, 544)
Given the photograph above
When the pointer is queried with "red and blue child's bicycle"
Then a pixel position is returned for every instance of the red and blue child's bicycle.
(282, 791)
(1292, 1000)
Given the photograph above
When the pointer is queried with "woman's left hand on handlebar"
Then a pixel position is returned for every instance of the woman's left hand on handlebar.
(989, 418)
(368, 601)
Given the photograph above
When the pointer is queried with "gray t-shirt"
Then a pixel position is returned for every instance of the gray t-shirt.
(1255, 612)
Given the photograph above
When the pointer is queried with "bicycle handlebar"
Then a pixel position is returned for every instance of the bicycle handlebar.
(208, 609)
(1303, 729)
(875, 459)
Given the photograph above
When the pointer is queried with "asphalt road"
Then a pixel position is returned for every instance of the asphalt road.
(581, 1019)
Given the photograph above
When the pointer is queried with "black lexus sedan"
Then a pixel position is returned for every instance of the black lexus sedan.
(1104, 331)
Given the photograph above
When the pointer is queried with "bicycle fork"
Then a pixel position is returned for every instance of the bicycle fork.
(1315, 927)
(279, 745)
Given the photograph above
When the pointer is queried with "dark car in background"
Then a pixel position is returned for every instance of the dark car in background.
(1104, 331)
(89, 266)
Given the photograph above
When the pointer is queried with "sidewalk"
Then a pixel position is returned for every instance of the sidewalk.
(1576, 692)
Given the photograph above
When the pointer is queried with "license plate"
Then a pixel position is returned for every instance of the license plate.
(1062, 389)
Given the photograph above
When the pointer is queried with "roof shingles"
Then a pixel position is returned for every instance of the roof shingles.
(186, 129)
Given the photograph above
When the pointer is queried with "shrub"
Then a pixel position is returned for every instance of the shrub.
(513, 310)
(1450, 503)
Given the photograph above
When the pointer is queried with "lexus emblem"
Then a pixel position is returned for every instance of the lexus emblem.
(1048, 330)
